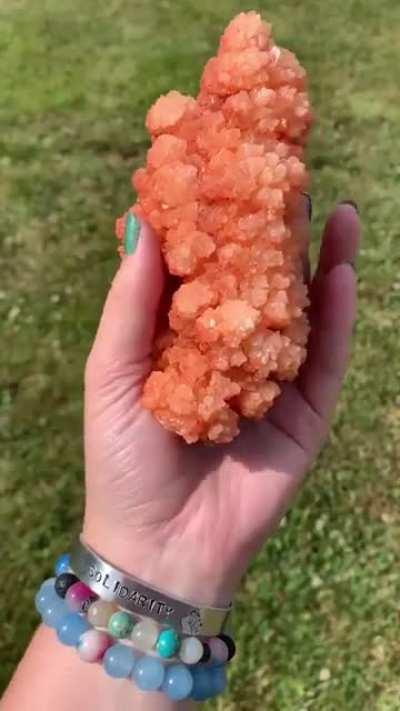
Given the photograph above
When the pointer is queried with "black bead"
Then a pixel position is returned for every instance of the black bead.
(206, 654)
(63, 582)
(230, 644)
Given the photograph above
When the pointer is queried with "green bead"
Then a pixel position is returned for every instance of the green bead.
(120, 624)
(131, 233)
(167, 643)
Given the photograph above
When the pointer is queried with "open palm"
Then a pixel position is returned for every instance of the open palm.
(152, 500)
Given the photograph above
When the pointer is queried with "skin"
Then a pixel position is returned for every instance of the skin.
(188, 519)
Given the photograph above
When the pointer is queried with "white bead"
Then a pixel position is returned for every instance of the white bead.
(145, 634)
(191, 650)
(100, 612)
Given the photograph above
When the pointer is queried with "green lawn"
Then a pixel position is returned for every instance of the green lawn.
(318, 616)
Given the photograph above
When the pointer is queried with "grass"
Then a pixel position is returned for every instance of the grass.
(318, 616)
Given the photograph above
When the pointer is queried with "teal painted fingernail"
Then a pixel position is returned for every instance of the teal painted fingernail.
(131, 233)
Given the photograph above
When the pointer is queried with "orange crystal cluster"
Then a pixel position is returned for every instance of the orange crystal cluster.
(222, 188)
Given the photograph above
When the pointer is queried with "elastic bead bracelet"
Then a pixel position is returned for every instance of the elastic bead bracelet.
(145, 633)
(177, 680)
(146, 636)
(155, 658)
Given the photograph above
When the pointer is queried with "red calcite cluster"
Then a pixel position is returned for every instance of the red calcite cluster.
(222, 188)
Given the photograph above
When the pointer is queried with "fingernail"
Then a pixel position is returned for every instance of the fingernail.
(309, 205)
(351, 203)
(131, 233)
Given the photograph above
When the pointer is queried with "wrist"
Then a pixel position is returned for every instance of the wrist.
(170, 567)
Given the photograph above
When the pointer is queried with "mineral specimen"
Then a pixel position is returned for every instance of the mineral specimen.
(222, 188)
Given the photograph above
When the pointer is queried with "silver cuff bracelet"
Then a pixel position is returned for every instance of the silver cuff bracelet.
(134, 595)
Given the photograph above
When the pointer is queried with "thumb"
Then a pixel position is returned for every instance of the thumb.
(126, 330)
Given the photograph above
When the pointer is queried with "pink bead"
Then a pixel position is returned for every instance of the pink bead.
(219, 650)
(93, 644)
(78, 597)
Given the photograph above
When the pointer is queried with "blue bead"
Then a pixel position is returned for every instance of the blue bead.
(70, 628)
(203, 687)
(148, 673)
(119, 661)
(62, 564)
(49, 583)
(53, 611)
(218, 679)
(178, 682)
(45, 595)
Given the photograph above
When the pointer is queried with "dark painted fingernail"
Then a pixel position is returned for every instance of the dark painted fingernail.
(309, 205)
(131, 233)
(351, 203)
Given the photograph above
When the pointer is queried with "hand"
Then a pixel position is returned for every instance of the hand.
(188, 518)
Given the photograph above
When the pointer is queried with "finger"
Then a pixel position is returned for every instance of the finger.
(333, 316)
(127, 325)
(292, 414)
(341, 238)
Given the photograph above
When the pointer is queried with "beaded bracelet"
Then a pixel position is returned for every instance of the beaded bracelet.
(65, 603)
(143, 632)
(177, 681)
